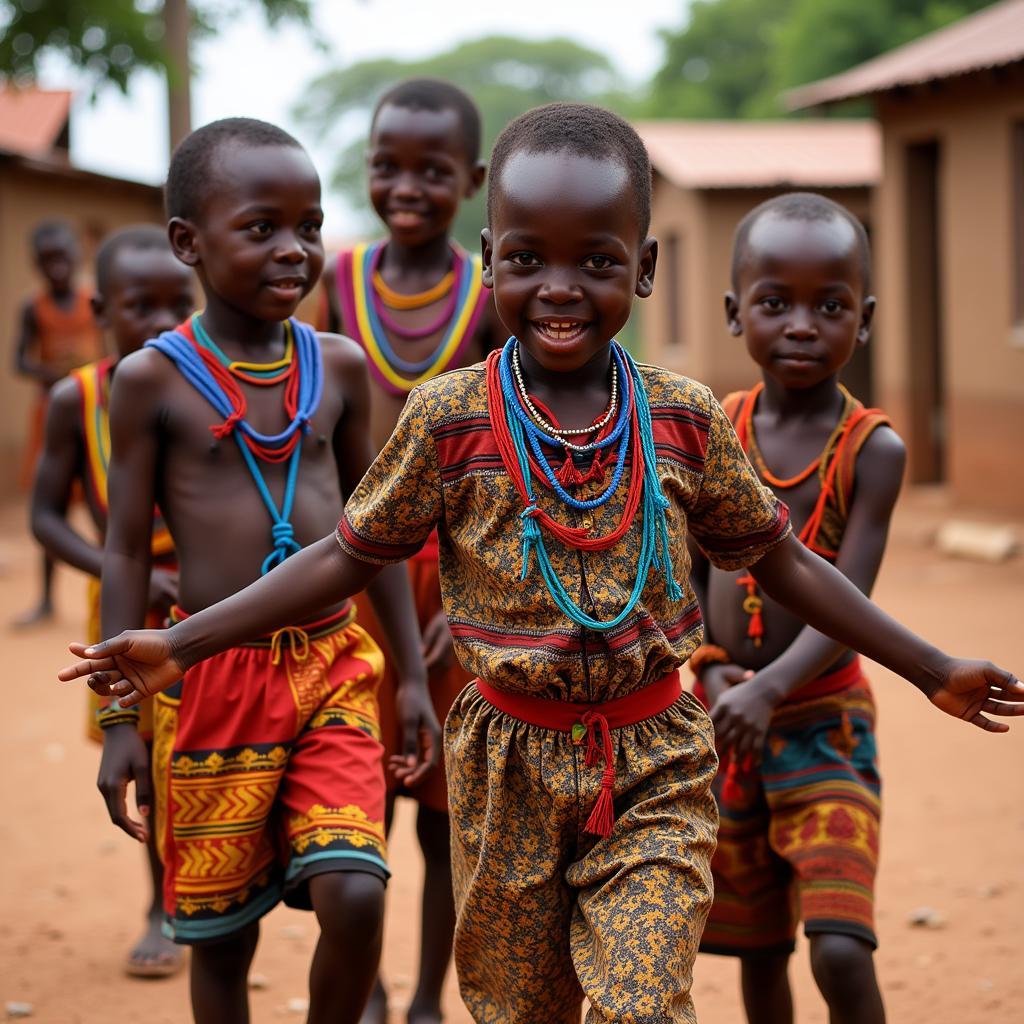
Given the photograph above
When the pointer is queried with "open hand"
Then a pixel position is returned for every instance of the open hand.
(438, 649)
(969, 688)
(132, 666)
(421, 735)
(741, 717)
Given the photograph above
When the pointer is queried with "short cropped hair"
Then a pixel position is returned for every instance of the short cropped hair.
(584, 130)
(52, 231)
(806, 207)
(188, 177)
(437, 94)
(135, 237)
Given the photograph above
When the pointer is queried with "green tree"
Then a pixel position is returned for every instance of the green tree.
(505, 76)
(733, 58)
(111, 39)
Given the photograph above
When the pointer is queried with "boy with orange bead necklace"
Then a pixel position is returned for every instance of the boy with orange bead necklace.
(798, 790)
(416, 304)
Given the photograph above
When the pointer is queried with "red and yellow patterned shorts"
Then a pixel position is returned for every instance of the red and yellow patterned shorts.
(267, 767)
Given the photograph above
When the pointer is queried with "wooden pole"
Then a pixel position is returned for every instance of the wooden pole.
(177, 23)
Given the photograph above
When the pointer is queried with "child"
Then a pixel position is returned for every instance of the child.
(798, 791)
(57, 333)
(416, 304)
(568, 599)
(141, 291)
(248, 428)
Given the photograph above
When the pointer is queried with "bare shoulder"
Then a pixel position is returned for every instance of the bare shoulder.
(142, 378)
(882, 456)
(64, 405)
(344, 359)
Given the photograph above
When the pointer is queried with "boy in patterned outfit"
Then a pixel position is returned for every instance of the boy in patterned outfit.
(571, 879)
(798, 791)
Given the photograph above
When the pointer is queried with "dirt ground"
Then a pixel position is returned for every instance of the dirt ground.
(71, 886)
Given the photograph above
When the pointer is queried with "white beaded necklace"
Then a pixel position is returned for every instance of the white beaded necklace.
(561, 434)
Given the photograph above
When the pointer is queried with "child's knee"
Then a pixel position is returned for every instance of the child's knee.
(840, 963)
(348, 902)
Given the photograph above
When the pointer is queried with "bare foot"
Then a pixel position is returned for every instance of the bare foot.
(42, 612)
(154, 955)
(376, 1011)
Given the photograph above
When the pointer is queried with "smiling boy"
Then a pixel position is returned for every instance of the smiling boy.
(799, 791)
(564, 480)
(416, 304)
(249, 428)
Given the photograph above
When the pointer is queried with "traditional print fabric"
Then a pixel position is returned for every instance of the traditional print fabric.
(798, 839)
(267, 767)
(549, 914)
(441, 467)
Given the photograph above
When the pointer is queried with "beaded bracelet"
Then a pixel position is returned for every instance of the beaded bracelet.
(114, 714)
(708, 654)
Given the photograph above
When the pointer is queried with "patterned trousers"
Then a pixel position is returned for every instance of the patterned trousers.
(548, 914)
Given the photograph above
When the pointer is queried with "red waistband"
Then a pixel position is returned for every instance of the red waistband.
(562, 715)
(831, 682)
(343, 617)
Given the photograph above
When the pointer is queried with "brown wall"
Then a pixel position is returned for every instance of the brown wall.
(93, 207)
(703, 222)
(982, 350)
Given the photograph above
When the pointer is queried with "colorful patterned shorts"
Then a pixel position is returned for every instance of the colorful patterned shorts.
(798, 839)
(267, 766)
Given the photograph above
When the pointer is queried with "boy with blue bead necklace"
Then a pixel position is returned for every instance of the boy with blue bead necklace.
(249, 428)
(582, 818)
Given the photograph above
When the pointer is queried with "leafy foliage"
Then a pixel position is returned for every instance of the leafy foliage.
(108, 39)
(733, 58)
(504, 75)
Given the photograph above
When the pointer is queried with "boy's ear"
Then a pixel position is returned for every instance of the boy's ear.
(477, 174)
(99, 309)
(487, 250)
(732, 314)
(646, 267)
(182, 236)
(867, 315)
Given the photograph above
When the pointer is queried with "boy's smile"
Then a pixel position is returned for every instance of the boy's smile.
(799, 300)
(419, 172)
(564, 254)
(256, 246)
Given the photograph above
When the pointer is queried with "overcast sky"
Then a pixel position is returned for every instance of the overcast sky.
(250, 70)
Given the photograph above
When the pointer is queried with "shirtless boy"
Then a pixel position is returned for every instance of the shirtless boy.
(798, 790)
(141, 291)
(416, 304)
(248, 428)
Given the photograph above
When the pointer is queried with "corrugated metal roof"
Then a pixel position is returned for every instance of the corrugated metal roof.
(31, 119)
(991, 38)
(764, 154)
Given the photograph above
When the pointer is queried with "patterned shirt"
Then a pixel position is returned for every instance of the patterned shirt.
(442, 468)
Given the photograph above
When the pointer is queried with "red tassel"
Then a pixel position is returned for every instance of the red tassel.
(732, 791)
(568, 475)
(602, 817)
(752, 605)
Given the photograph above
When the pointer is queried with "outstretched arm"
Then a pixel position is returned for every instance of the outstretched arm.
(59, 466)
(826, 600)
(742, 717)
